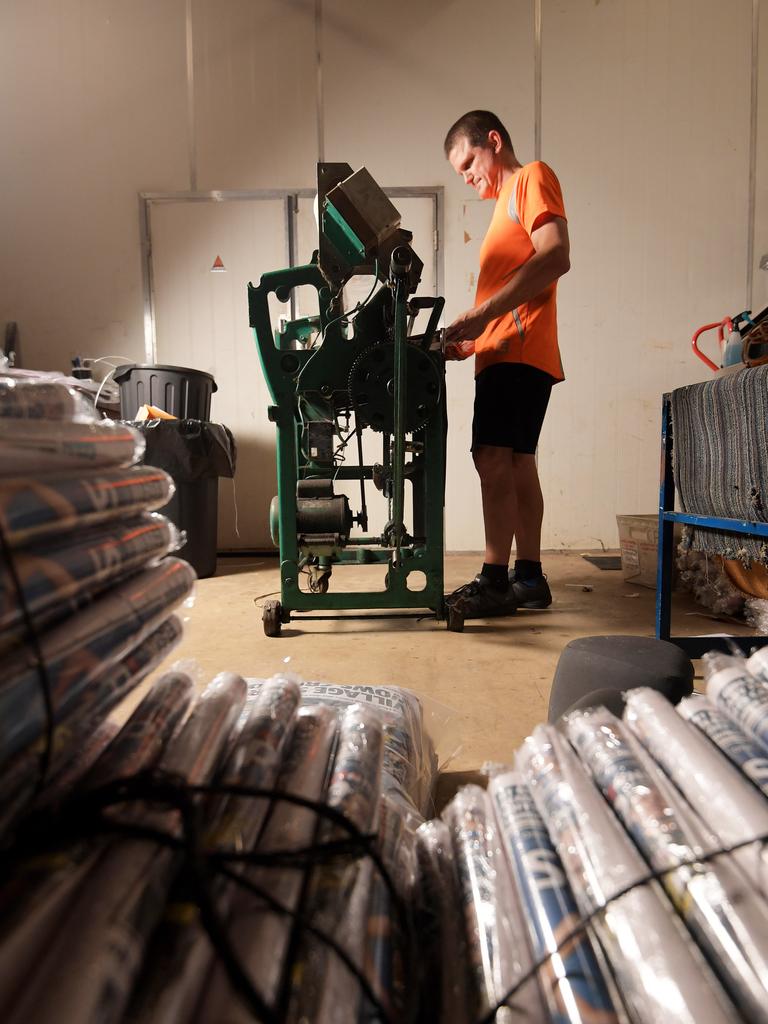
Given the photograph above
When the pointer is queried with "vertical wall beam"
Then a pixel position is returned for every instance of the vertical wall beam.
(191, 139)
(145, 232)
(319, 63)
(752, 195)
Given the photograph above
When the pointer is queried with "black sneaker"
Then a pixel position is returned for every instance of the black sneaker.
(479, 600)
(530, 593)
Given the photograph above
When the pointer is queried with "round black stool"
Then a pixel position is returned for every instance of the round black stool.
(595, 670)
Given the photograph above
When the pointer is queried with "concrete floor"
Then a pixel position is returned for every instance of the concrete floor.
(495, 676)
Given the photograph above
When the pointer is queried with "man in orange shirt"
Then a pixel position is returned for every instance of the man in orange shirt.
(512, 332)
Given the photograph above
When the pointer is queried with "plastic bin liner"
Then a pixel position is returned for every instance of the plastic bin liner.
(189, 449)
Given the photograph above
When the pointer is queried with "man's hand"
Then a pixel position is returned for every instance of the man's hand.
(460, 350)
(468, 326)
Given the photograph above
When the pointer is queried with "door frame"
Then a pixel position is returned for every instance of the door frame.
(289, 198)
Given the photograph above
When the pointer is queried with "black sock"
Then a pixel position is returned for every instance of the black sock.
(497, 575)
(527, 570)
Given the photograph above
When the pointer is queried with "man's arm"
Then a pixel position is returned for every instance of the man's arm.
(549, 262)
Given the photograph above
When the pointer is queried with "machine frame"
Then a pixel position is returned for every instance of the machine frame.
(310, 385)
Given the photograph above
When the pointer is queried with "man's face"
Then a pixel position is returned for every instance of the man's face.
(478, 166)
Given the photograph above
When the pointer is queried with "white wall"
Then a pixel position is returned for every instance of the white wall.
(645, 117)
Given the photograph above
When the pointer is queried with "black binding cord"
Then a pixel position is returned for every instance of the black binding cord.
(580, 927)
(81, 816)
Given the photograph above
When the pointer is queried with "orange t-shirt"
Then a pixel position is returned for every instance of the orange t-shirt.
(527, 334)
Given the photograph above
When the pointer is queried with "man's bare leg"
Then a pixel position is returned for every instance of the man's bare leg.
(530, 506)
(529, 585)
(496, 469)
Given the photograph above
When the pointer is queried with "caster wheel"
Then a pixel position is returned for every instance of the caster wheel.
(272, 618)
(455, 619)
(319, 581)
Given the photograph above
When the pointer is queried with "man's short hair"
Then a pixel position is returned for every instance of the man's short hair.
(475, 126)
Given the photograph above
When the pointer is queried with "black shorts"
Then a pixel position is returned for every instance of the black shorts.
(510, 402)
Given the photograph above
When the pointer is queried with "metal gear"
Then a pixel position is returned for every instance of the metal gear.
(371, 387)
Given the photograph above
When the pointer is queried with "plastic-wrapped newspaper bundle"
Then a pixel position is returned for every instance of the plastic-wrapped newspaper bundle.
(575, 989)
(22, 776)
(410, 762)
(34, 899)
(661, 973)
(354, 792)
(720, 907)
(256, 926)
(86, 590)
(726, 801)
(87, 973)
(180, 956)
(77, 651)
(498, 953)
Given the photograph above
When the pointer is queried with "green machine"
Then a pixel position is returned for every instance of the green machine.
(332, 377)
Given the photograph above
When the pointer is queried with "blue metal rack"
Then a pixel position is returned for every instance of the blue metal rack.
(693, 646)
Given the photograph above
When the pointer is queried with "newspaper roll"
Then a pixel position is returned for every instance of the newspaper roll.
(76, 768)
(410, 763)
(84, 647)
(180, 954)
(739, 748)
(440, 928)
(57, 577)
(104, 692)
(662, 976)
(572, 982)
(354, 792)
(497, 949)
(730, 806)
(385, 961)
(88, 972)
(262, 937)
(142, 739)
(42, 400)
(742, 696)
(372, 930)
(34, 510)
(723, 913)
(757, 664)
(32, 447)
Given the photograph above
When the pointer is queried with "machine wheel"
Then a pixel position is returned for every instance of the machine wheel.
(272, 617)
(454, 618)
(319, 580)
(371, 383)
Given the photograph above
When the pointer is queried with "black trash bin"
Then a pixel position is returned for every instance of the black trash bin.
(195, 454)
(178, 390)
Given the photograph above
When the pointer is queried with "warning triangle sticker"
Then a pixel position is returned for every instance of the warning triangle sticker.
(218, 265)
